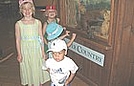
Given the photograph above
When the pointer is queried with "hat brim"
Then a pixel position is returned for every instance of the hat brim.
(49, 50)
(52, 50)
(55, 50)
(53, 36)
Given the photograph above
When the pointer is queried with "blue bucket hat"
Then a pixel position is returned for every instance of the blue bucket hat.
(53, 30)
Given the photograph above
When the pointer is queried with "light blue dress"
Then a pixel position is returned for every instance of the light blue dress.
(31, 66)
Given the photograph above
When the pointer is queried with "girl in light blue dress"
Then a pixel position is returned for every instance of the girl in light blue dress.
(30, 46)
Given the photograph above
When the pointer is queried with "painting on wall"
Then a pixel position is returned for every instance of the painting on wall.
(93, 17)
(90, 16)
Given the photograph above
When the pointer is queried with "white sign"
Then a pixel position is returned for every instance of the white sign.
(88, 53)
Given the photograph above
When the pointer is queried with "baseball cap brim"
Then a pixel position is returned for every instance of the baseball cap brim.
(54, 50)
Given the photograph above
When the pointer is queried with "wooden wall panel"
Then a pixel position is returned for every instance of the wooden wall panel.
(128, 11)
(45, 2)
(42, 2)
(131, 72)
(123, 66)
(90, 72)
(131, 53)
(62, 12)
(121, 69)
(131, 79)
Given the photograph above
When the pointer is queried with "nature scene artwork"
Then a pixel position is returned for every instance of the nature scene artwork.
(93, 17)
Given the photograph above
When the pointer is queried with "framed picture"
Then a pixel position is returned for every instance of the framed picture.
(91, 17)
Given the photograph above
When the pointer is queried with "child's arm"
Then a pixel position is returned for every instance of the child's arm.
(70, 78)
(45, 41)
(71, 40)
(17, 36)
(42, 40)
(44, 32)
(66, 34)
(58, 20)
(73, 70)
(44, 28)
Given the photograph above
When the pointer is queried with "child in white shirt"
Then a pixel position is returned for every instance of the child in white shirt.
(61, 68)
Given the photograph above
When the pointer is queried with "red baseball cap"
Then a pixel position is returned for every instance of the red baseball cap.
(51, 7)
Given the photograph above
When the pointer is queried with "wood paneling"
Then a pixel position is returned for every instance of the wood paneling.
(118, 69)
(43, 2)
(91, 72)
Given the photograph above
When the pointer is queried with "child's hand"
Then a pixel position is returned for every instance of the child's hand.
(66, 83)
(19, 58)
(64, 28)
(67, 33)
(73, 36)
(45, 57)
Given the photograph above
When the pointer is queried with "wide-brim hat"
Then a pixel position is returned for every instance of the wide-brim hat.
(53, 30)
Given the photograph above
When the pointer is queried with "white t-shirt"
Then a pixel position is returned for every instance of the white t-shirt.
(60, 71)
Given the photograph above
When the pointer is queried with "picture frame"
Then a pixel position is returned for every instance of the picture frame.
(92, 18)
